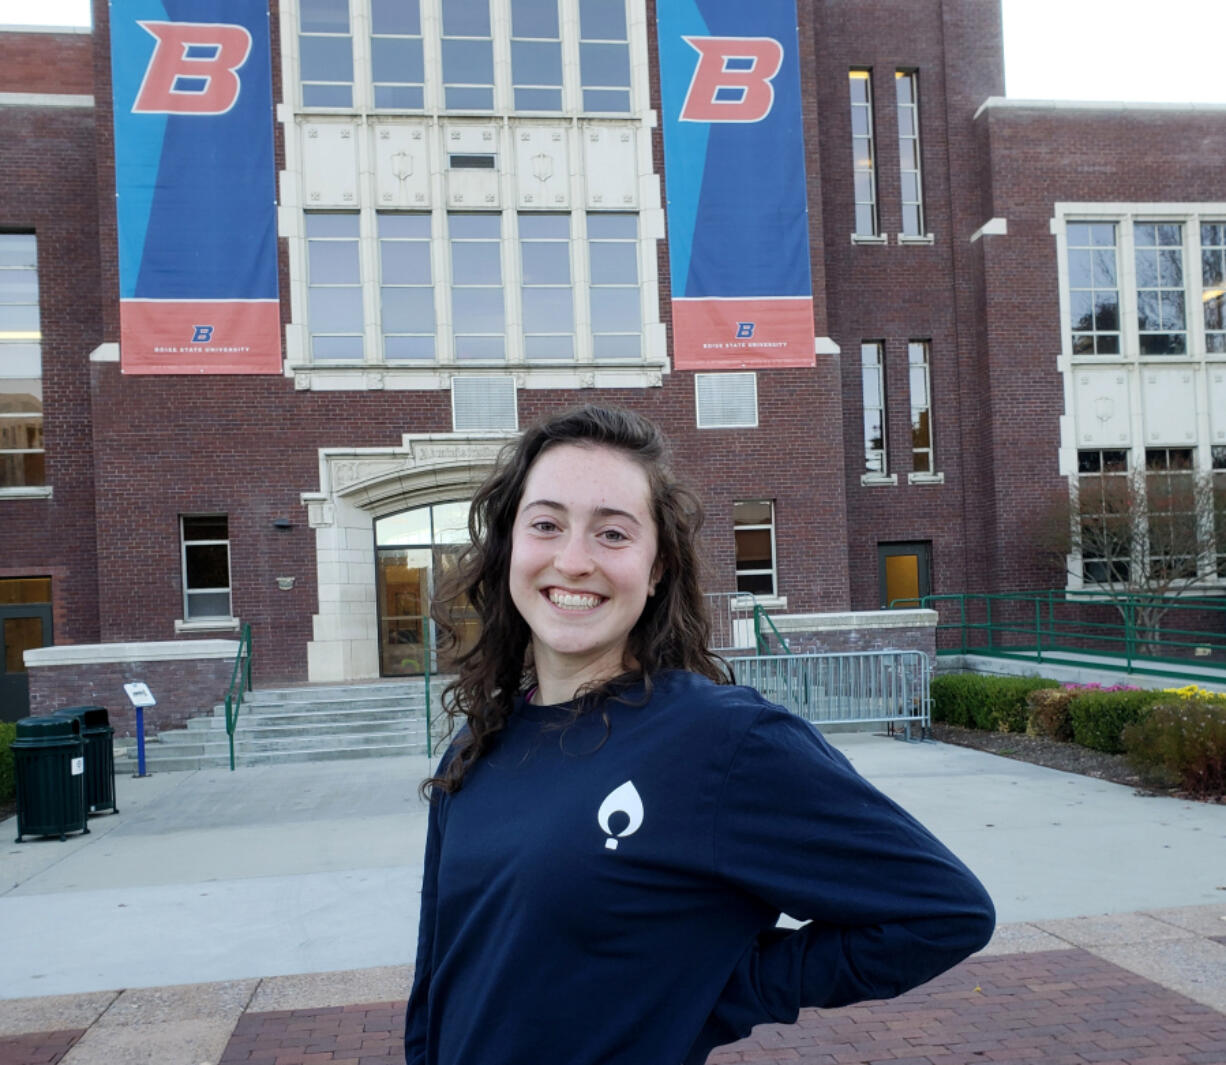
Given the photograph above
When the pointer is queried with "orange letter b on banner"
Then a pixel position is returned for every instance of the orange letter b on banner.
(732, 82)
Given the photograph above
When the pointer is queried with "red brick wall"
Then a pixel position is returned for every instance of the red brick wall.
(182, 689)
(47, 183)
(59, 63)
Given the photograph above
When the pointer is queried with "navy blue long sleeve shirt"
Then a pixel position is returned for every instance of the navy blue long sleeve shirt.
(607, 893)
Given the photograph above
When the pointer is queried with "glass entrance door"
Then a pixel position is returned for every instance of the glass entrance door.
(25, 623)
(416, 550)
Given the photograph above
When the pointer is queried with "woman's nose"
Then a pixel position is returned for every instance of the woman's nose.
(573, 556)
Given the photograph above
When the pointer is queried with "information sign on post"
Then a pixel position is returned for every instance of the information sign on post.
(140, 696)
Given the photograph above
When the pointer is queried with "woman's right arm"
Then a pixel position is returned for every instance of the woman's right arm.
(415, 1018)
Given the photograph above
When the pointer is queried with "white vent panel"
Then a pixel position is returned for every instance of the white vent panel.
(484, 404)
(726, 400)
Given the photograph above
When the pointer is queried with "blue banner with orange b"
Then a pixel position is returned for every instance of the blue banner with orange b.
(195, 187)
(742, 293)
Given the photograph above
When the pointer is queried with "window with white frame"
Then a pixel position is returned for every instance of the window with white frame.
(1106, 509)
(1093, 287)
(406, 293)
(906, 87)
(920, 380)
(477, 310)
(754, 530)
(1171, 510)
(1213, 284)
(872, 374)
(468, 56)
(325, 53)
(1129, 282)
(863, 152)
(21, 381)
(334, 279)
(206, 566)
(410, 38)
(397, 65)
(1218, 503)
(545, 286)
(613, 272)
(536, 55)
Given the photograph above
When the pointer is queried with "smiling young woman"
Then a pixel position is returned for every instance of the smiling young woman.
(616, 828)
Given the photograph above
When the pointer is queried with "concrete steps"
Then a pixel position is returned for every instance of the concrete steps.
(302, 724)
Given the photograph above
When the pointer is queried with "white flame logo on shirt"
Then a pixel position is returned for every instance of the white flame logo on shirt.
(626, 800)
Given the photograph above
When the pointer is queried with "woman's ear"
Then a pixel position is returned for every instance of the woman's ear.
(657, 571)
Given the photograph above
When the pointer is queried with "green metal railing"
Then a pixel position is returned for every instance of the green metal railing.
(1143, 633)
(760, 639)
(240, 682)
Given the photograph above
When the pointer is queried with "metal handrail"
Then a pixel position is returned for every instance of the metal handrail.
(1037, 629)
(761, 641)
(240, 681)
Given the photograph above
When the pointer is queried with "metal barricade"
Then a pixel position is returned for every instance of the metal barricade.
(890, 687)
(731, 615)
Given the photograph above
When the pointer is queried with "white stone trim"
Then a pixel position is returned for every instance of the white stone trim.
(826, 346)
(924, 477)
(44, 99)
(81, 654)
(875, 480)
(993, 103)
(207, 625)
(105, 353)
(860, 619)
(33, 491)
(993, 227)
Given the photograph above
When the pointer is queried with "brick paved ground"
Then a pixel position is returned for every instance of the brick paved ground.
(38, 1048)
(1064, 1007)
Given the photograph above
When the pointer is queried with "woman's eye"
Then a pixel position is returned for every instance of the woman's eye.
(544, 525)
(614, 536)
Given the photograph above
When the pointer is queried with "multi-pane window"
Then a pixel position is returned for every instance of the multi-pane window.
(468, 56)
(864, 171)
(334, 285)
(325, 53)
(206, 567)
(1172, 525)
(396, 62)
(604, 55)
(546, 292)
(616, 307)
(906, 85)
(478, 316)
(1161, 315)
(920, 380)
(1218, 502)
(1093, 285)
(1106, 508)
(406, 293)
(1213, 284)
(536, 55)
(872, 367)
(754, 530)
(21, 384)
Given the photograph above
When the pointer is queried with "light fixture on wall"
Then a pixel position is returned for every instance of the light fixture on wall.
(282, 523)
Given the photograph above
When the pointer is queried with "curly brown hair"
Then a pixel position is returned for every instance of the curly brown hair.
(673, 632)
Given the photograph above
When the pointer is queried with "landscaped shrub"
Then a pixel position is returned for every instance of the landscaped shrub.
(976, 701)
(1185, 741)
(1100, 717)
(1048, 713)
(8, 780)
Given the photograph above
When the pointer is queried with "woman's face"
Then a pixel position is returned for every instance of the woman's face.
(583, 559)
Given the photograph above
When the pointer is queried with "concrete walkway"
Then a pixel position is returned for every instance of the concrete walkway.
(196, 921)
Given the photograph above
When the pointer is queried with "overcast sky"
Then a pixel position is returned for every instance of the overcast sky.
(1167, 50)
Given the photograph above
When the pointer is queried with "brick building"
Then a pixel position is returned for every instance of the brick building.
(471, 232)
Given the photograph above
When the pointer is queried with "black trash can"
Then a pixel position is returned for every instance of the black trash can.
(98, 735)
(49, 760)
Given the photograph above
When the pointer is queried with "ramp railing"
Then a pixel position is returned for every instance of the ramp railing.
(887, 687)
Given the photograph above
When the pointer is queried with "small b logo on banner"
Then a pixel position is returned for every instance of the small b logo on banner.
(203, 334)
(744, 330)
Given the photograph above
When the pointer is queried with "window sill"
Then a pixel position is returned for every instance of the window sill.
(746, 601)
(434, 376)
(872, 479)
(33, 491)
(207, 625)
(869, 238)
(927, 238)
(925, 478)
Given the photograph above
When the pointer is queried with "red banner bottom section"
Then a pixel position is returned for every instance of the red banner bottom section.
(750, 334)
(200, 336)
